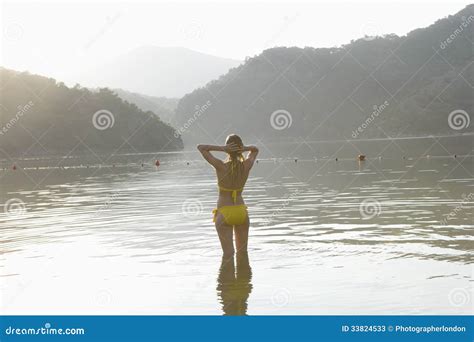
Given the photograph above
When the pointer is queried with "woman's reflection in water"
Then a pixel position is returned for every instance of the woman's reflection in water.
(234, 286)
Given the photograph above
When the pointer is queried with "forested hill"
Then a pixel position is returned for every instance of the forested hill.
(42, 117)
(371, 87)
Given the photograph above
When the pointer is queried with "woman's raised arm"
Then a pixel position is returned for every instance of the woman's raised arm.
(206, 153)
(252, 156)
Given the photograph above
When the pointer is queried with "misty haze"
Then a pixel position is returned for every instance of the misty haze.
(341, 136)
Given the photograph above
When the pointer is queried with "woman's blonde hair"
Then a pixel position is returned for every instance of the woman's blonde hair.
(235, 158)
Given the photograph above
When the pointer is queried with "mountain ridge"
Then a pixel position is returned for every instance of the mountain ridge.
(157, 71)
(330, 92)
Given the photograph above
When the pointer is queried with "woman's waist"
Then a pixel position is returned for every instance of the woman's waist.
(224, 189)
(227, 199)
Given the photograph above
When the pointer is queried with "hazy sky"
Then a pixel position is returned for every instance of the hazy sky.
(55, 38)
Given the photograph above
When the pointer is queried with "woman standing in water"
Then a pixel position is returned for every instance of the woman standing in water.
(231, 215)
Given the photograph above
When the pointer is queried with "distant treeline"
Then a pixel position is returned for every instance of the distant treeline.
(40, 116)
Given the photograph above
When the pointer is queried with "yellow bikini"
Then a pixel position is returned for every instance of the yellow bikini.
(234, 215)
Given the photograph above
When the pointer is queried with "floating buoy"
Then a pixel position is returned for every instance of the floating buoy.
(404, 157)
(455, 156)
(296, 160)
(142, 164)
(256, 161)
(336, 159)
(361, 157)
(157, 163)
(187, 163)
(14, 167)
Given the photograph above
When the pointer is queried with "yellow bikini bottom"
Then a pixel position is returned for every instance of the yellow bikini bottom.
(234, 215)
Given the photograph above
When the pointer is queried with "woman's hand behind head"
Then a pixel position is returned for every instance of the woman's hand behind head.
(233, 148)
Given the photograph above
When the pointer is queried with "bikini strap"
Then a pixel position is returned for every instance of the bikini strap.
(234, 192)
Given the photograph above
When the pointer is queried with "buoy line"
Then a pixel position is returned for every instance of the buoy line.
(157, 164)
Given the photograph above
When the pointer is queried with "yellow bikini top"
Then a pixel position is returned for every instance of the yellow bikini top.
(234, 192)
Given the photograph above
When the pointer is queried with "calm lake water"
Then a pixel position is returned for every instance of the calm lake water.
(385, 236)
